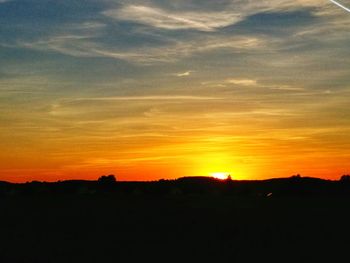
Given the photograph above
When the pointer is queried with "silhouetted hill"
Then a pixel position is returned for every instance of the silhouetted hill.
(292, 186)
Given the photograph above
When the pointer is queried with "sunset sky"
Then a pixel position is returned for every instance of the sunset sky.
(162, 89)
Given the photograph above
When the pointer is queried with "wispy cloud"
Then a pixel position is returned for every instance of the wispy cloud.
(183, 74)
(145, 98)
(173, 20)
(287, 88)
(67, 106)
(84, 46)
(242, 82)
(88, 39)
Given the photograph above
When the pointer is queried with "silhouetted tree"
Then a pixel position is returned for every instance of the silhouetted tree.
(107, 179)
(345, 178)
(295, 178)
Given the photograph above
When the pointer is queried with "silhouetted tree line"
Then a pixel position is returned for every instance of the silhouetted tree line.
(107, 184)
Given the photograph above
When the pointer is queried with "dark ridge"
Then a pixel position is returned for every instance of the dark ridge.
(291, 186)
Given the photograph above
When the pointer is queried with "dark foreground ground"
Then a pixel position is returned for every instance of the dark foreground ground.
(129, 224)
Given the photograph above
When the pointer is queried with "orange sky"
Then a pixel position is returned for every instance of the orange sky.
(243, 156)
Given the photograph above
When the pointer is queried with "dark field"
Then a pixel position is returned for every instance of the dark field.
(175, 222)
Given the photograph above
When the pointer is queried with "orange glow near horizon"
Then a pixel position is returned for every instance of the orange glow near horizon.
(249, 157)
(170, 163)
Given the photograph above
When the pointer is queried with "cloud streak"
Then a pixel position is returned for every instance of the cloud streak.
(147, 98)
(242, 82)
(184, 74)
(174, 20)
(85, 46)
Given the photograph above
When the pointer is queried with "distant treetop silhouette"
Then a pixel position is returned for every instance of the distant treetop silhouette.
(345, 178)
(107, 179)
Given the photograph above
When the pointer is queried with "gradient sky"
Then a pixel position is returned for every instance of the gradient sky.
(161, 89)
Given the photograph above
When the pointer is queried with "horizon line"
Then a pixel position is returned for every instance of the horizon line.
(175, 179)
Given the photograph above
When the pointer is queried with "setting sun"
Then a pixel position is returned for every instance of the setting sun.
(220, 175)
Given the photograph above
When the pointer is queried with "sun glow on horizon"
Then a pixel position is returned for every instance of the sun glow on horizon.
(220, 175)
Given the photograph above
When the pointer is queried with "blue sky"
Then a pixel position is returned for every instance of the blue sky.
(80, 79)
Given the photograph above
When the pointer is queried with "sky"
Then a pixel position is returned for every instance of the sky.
(163, 89)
